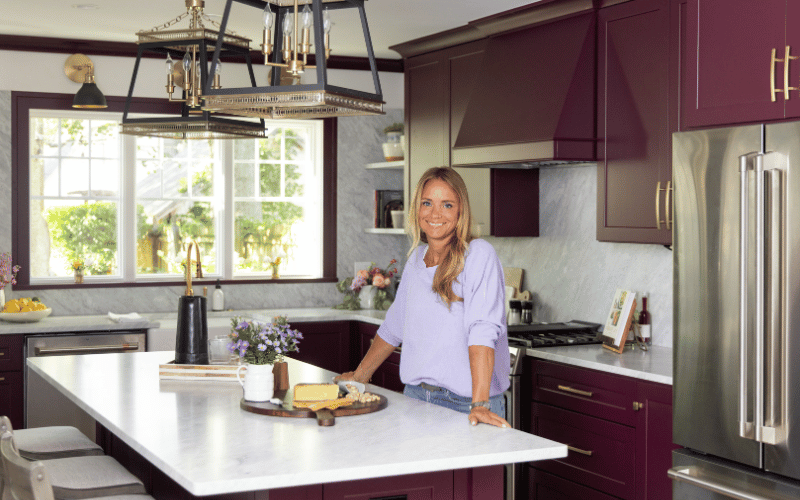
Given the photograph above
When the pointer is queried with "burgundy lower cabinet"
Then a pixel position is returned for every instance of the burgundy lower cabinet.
(325, 344)
(388, 374)
(481, 483)
(12, 398)
(618, 429)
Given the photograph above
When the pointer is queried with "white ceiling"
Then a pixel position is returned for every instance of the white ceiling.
(390, 21)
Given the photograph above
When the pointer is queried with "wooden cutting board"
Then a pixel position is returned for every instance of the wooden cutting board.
(513, 276)
(324, 417)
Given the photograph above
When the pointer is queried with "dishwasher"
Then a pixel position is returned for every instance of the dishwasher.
(44, 404)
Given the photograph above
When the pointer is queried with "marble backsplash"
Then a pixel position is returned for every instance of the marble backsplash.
(571, 275)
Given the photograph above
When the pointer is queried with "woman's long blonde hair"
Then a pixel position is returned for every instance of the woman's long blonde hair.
(453, 261)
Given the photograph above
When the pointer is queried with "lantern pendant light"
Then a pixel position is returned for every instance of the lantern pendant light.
(289, 47)
(190, 71)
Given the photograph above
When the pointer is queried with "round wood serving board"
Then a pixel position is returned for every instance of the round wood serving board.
(324, 417)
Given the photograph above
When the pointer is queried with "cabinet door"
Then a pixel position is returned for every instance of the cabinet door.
(792, 105)
(388, 374)
(11, 397)
(426, 116)
(654, 441)
(728, 70)
(326, 345)
(544, 486)
(427, 486)
(635, 147)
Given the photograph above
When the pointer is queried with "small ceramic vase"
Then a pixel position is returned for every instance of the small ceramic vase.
(258, 382)
(366, 297)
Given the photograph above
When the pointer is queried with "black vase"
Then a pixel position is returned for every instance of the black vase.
(191, 343)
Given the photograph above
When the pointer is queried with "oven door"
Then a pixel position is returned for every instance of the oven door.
(44, 404)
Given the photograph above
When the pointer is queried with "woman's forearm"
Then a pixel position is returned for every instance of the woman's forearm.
(376, 355)
(481, 365)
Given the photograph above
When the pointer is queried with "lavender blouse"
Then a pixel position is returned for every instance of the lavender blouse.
(436, 340)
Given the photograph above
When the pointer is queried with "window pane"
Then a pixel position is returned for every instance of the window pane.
(244, 149)
(202, 179)
(74, 177)
(44, 177)
(75, 138)
(202, 149)
(295, 144)
(105, 139)
(147, 147)
(44, 136)
(262, 232)
(270, 180)
(270, 148)
(105, 177)
(62, 231)
(148, 179)
(244, 179)
(174, 180)
(294, 180)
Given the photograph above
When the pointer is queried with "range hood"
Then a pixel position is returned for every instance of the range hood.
(534, 102)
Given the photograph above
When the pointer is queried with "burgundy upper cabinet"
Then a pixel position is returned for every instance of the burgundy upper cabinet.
(729, 67)
(634, 141)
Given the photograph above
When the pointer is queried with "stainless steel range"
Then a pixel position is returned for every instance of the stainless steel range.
(553, 334)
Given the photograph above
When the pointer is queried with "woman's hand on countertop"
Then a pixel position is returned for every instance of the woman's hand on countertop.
(349, 376)
(485, 416)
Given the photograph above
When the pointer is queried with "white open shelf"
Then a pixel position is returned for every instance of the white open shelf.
(381, 230)
(391, 165)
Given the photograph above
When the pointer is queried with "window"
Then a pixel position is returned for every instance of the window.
(128, 206)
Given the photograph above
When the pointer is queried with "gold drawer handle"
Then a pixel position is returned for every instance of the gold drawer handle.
(578, 450)
(567, 388)
(2, 379)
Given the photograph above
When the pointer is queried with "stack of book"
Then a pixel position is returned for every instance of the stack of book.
(386, 200)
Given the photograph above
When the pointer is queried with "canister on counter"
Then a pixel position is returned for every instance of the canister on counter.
(527, 312)
(514, 312)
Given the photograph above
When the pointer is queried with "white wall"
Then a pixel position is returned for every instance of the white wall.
(43, 72)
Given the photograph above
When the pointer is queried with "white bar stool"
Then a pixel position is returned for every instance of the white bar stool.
(45, 443)
(68, 478)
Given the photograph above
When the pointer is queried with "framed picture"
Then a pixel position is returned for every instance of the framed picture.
(619, 319)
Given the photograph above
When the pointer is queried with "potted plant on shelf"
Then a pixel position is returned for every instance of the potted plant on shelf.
(394, 147)
(262, 347)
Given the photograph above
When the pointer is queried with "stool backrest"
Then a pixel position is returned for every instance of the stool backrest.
(25, 480)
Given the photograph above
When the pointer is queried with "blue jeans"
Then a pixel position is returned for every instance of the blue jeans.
(443, 397)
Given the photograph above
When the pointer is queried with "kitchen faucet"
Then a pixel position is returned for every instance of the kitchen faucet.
(189, 291)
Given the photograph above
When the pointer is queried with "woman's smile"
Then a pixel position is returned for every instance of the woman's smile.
(439, 210)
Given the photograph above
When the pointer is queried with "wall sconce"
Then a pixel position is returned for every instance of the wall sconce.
(80, 69)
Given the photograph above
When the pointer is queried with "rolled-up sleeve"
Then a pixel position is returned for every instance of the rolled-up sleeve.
(484, 295)
(391, 330)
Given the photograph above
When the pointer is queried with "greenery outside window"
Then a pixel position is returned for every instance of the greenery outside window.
(127, 207)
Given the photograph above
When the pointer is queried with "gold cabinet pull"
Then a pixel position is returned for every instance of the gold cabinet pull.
(2, 379)
(578, 450)
(667, 192)
(567, 388)
(658, 208)
(637, 406)
(785, 61)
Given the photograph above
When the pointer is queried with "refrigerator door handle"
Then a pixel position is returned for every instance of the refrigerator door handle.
(746, 427)
(693, 475)
(760, 294)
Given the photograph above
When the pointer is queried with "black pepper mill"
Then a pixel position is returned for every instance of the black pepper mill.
(191, 342)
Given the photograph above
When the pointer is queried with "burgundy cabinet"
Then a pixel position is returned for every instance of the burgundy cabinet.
(325, 344)
(388, 374)
(729, 65)
(427, 486)
(619, 431)
(438, 86)
(12, 399)
(634, 129)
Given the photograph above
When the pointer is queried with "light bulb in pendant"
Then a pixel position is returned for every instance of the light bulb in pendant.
(288, 25)
(326, 21)
(306, 17)
(170, 64)
(187, 62)
(269, 17)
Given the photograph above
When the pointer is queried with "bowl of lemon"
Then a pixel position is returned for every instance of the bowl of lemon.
(25, 310)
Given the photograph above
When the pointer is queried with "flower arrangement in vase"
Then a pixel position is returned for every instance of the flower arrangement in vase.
(8, 275)
(367, 289)
(77, 269)
(262, 347)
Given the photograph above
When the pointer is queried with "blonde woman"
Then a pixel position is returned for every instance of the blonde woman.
(449, 311)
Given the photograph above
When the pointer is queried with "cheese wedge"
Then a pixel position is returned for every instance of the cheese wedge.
(315, 392)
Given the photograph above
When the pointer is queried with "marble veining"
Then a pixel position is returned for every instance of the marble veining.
(202, 439)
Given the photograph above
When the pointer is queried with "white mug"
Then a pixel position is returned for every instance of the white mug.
(258, 382)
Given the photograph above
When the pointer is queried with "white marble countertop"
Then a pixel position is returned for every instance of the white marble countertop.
(196, 433)
(654, 365)
(70, 324)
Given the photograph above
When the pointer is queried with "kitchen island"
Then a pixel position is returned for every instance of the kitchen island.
(196, 434)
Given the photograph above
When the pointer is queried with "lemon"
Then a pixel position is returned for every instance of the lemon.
(25, 308)
(12, 306)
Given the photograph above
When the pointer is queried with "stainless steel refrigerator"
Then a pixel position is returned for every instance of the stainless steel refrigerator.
(736, 243)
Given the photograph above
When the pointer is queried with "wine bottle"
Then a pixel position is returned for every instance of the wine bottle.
(644, 323)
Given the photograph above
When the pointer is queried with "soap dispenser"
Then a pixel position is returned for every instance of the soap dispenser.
(218, 298)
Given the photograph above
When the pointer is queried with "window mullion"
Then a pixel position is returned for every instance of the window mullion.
(224, 188)
(127, 247)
